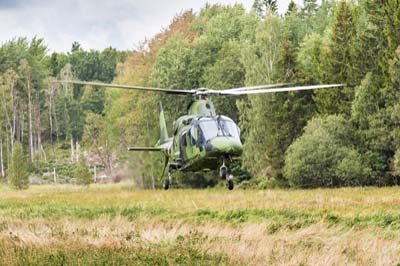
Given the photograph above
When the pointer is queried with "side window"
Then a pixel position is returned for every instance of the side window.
(183, 140)
(200, 136)
(193, 135)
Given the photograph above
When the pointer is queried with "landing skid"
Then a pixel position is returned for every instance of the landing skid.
(223, 172)
(167, 182)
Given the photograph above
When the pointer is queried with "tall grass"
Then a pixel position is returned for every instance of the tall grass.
(122, 226)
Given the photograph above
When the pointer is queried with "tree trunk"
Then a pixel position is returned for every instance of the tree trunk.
(31, 151)
(77, 151)
(14, 119)
(56, 126)
(51, 91)
(38, 132)
(72, 150)
(54, 175)
(153, 182)
(109, 160)
(51, 121)
(1, 159)
(19, 129)
(8, 148)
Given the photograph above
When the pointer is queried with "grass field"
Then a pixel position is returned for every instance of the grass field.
(116, 225)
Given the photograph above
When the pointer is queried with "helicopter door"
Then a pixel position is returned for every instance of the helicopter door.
(183, 145)
(192, 150)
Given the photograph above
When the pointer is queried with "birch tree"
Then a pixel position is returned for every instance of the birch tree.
(26, 72)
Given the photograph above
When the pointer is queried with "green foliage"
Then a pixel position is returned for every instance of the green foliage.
(18, 169)
(366, 102)
(341, 46)
(263, 55)
(98, 137)
(171, 70)
(338, 65)
(227, 72)
(391, 92)
(397, 162)
(370, 44)
(324, 156)
(311, 57)
(271, 121)
(310, 7)
(95, 65)
(82, 174)
(262, 7)
(391, 31)
(292, 8)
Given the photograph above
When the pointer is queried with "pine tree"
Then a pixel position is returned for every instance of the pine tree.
(292, 8)
(389, 63)
(371, 42)
(263, 7)
(18, 169)
(392, 29)
(339, 67)
(310, 7)
(342, 39)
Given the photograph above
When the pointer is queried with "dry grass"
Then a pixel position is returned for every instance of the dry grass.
(353, 226)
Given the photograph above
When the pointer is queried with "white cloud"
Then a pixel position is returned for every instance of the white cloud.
(96, 24)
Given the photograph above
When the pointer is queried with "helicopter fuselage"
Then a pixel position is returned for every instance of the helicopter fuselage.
(202, 140)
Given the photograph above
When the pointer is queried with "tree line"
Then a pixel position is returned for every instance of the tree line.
(38, 114)
(330, 137)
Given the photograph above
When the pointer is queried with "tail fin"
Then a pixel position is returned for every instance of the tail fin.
(163, 126)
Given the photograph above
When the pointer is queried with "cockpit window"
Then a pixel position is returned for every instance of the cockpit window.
(208, 130)
(217, 127)
(230, 128)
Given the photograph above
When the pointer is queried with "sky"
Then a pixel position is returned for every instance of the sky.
(96, 24)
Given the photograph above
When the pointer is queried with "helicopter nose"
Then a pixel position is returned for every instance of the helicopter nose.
(225, 145)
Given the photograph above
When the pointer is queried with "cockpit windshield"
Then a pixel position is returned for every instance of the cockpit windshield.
(217, 127)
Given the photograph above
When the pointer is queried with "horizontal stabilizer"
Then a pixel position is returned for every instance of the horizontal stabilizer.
(144, 149)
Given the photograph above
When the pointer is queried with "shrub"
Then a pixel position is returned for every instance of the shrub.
(324, 156)
(18, 169)
(396, 163)
(82, 173)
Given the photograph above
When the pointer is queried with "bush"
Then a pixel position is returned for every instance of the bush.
(239, 173)
(324, 156)
(18, 169)
(82, 173)
(396, 163)
(196, 180)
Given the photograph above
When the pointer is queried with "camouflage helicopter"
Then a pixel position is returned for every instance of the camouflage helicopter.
(202, 139)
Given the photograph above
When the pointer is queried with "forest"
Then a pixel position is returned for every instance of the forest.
(305, 139)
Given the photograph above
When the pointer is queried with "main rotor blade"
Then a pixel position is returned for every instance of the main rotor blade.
(130, 87)
(300, 88)
(258, 87)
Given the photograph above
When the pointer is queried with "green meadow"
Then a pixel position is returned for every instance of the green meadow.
(118, 225)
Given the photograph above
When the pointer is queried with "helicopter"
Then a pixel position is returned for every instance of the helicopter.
(201, 140)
